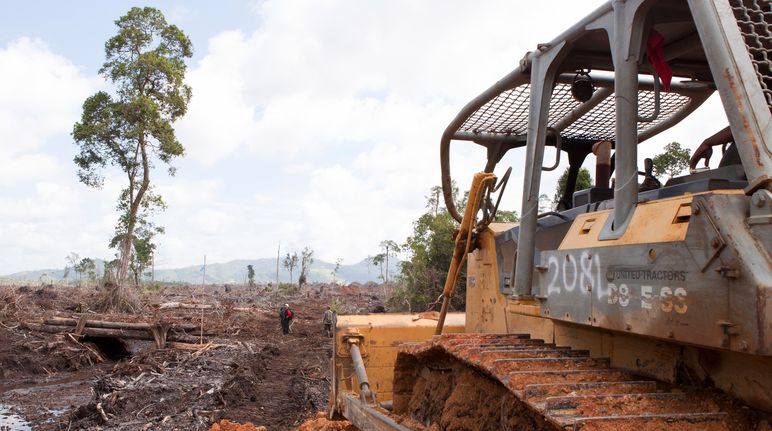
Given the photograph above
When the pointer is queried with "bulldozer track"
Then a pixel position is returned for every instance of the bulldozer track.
(567, 389)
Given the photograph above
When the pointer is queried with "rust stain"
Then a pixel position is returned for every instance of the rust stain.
(741, 110)
(761, 305)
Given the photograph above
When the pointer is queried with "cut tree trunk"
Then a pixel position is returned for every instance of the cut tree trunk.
(173, 305)
(133, 334)
(65, 321)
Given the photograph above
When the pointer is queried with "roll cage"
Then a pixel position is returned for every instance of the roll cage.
(710, 45)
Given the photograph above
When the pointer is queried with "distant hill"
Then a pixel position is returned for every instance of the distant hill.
(234, 271)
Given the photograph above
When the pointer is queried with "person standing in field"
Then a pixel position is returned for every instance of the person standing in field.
(285, 315)
(327, 320)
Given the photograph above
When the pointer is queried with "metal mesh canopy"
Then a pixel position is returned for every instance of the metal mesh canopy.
(507, 113)
(754, 18)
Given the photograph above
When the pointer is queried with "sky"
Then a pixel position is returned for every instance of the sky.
(312, 123)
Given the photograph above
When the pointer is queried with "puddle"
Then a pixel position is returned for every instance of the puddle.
(12, 422)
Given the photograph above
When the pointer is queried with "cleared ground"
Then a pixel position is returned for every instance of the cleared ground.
(244, 371)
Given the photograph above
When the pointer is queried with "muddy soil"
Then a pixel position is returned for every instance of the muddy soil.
(245, 371)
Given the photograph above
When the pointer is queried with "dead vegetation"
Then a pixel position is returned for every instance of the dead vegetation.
(65, 366)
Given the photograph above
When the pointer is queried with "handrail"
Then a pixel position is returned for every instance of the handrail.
(558, 144)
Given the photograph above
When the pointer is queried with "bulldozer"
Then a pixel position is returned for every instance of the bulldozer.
(626, 307)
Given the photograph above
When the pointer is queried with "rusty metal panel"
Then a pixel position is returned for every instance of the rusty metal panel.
(648, 289)
(710, 289)
(731, 61)
(746, 266)
(565, 280)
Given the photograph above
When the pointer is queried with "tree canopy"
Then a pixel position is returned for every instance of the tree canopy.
(306, 260)
(672, 162)
(290, 262)
(583, 181)
(131, 128)
(251, 275)
(430, 250)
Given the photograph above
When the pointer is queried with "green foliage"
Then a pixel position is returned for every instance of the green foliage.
(335, 270)
(390, 248)
(290, 262)
(154, 287)
(289, 288)
(142, 245)
(306, 260)
(503, 216)
(87, 267)
(336, 305)
(430, 248)
(378, 260)
(145, 62)
(110, 274)
(251, 275)
(72, 262)
(423, 277)
(583, 181)
(672, 162)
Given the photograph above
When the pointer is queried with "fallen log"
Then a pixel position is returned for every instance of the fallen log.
(170, 305)
(175, 305)
(134, 334)
(65, 321)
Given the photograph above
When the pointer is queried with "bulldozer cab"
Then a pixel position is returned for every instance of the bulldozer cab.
(599, 82)
(686, 262)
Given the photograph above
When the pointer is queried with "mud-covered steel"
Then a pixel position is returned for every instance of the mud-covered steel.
(367, 417)
(567, 388)
(359, 368)
(462, 244)
(379, 336)
(741, 93)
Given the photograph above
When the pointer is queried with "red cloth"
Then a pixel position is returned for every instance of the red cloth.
(656, 56)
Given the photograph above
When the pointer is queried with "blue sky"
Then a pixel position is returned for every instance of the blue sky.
(312, 122)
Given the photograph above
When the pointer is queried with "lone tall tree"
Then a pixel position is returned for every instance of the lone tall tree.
(130, 129)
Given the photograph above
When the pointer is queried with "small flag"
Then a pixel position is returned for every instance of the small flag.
(656, 56)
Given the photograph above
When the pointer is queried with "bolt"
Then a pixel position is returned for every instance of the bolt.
(714, 242)
(744, 346)
(759, 200)
(695, 210)
(628, 326)
(589, 288)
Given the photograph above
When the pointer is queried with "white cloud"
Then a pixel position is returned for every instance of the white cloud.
(341, 102)
(44, 212)
(41, 95)
(313, 71)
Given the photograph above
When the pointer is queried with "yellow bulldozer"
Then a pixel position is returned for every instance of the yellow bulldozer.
(630, 306)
